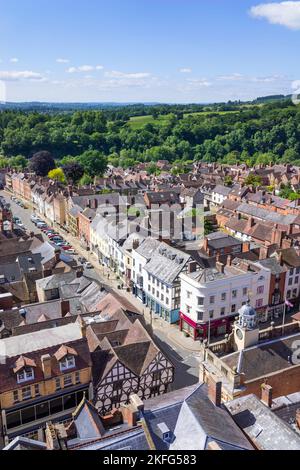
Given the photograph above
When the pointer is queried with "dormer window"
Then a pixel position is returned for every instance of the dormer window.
(66, 358)
(68, 362)
(25, 375)
(24, 369)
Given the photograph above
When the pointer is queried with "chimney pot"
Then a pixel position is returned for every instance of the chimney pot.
(267, 395)
(215, 391)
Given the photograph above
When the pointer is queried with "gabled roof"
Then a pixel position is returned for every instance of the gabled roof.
(22, 362)
(262, 425)
(87, 421)
(193, 421)
(64, 351)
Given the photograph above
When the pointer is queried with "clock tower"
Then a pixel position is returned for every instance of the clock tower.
(246, 331)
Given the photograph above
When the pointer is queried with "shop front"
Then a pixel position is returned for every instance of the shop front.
(217, 327)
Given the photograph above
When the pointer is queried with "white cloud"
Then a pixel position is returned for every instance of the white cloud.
(14, 60)
(283, 13)
(62, 61)
(185, 70)
(20, 75)
(231, 78)
(116, 74)
(72, 70)
(84, 68)
(199, 82)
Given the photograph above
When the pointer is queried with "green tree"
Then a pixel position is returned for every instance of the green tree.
(41, 163)
(19, 162)
(57, 175)
(253, 180)
(93, 162)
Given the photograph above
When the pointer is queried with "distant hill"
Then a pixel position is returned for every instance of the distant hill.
(266, 99)
(44, 106)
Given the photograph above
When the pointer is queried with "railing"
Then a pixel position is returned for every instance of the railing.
(277, 331)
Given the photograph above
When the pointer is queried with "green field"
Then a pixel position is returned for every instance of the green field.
(207, 113)
(139, 121)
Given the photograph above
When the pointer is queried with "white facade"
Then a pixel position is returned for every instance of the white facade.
(223, 297)
(292, 283)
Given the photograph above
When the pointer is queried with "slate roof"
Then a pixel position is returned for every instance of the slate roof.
(193, 420)
(219, 240)
(166, 263)
(147, 247)
(8, 369)
(265, 358)
(272, 264)
(223, 190)
(87, 421)
(261, 425)
(266, 215)
(23, 443)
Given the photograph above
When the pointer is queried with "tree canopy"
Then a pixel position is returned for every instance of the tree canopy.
(41, 163)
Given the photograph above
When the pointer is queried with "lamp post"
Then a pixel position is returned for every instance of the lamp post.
(208, 336)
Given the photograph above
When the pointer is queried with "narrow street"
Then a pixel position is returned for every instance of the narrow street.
(183, 352)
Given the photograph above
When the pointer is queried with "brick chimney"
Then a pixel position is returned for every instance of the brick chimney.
(83, 325)
(263, 252)
(245, 247)
(6, 301)
(267, 395)
(65, 307)
(46, 366)
(220, 267)
(298, 418)
(131, 412)
(192, 267)
(250, 223)
(279, 257)
(229, 260)
(286, 243)
(205, 244)
(277, 236)
(215, 391)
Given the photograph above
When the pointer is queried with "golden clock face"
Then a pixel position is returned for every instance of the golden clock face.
(239, 334)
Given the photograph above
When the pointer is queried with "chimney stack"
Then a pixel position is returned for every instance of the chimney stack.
(46, 366)
(267, 395)
(229, 260)
(83, 325)
(263, 252)
(215, 391)
(298, 418)
(220, 267)
(192, 267)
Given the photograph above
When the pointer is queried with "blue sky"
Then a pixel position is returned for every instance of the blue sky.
(147, 50)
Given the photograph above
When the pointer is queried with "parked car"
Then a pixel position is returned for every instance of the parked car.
(88, 265)
(82, 260)
(37, 221)
(63, 243)
(41, 225)
(55, 235)
(56, 239)
(33, 217)
(72, 252)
